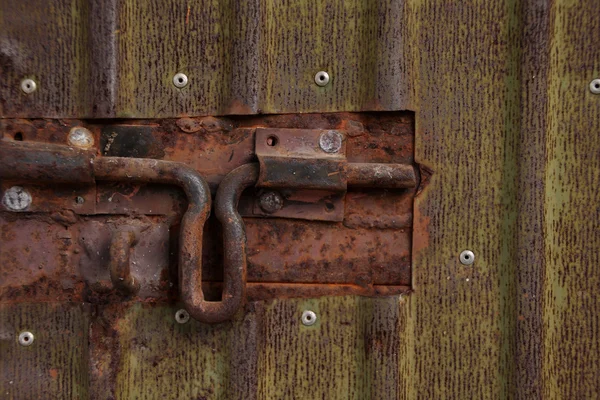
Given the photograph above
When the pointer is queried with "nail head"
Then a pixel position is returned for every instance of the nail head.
(467, 257)
(16, 199)
(322, 78)
(595, 86)
(180, 80)
(309, 318)
(28, 86)
(26, 338)
(182, 316)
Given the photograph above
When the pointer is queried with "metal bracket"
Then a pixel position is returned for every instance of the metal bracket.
(309, 170)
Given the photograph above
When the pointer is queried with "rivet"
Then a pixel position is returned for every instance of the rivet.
(16, 199)
(271, 202)
(79, 200)
(331, 141)
(322, 78)
(309, 318)
(28, 85)
(81, 137)
(180, 80)
(595, 86)
(26, 338)
(467, 257)
(182, 316)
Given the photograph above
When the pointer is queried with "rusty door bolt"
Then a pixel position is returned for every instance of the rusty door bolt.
(16, 199)
(271, 202)
(322, 78)
(331, 141)
(81, 138)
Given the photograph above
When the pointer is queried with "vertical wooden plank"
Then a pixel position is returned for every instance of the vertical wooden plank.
(55, 365)
(158, 358)
(350, 353)
(527, 289)
(260, 57)
(46, 41)
(467, 124)
(571, 345)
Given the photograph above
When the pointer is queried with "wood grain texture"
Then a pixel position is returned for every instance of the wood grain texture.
(113, 58)
(55, 366)
(352, 352)
(505, 120)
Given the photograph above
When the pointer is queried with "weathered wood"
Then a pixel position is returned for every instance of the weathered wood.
(505, 120)
(117, 59)
(352, 352)
(571, 331)
(55, 366)
(507, 123)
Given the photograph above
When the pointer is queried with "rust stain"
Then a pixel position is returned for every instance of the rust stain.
(367, 252)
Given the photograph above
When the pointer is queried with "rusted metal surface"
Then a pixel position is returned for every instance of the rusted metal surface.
(364, 256)
(192, 224)
(303, 258)
(313, 162)
(317, 205)
(120, 260)
(234, 244)
(377, 175)
(40, 162)
(291, 158)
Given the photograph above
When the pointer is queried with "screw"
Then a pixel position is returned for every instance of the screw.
(26, 338)
(271, 202)
(16, 199)
(595, 86)
(180, 80)
(79, 200)
(28, 85)
(309, 318)
(182, 316)
(467, 257)
(331, 141)
(322, 78)
(81, 137)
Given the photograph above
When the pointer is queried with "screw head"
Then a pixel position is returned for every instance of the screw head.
(79, 200)
(309, 318)
(16, 199)
(182, 316)
(26, 338)
(467, 257)
(180, 80)
(271, 202)
(595, 86)
(331, 141)
(28, 86)
(81, 137)
(322, 78)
